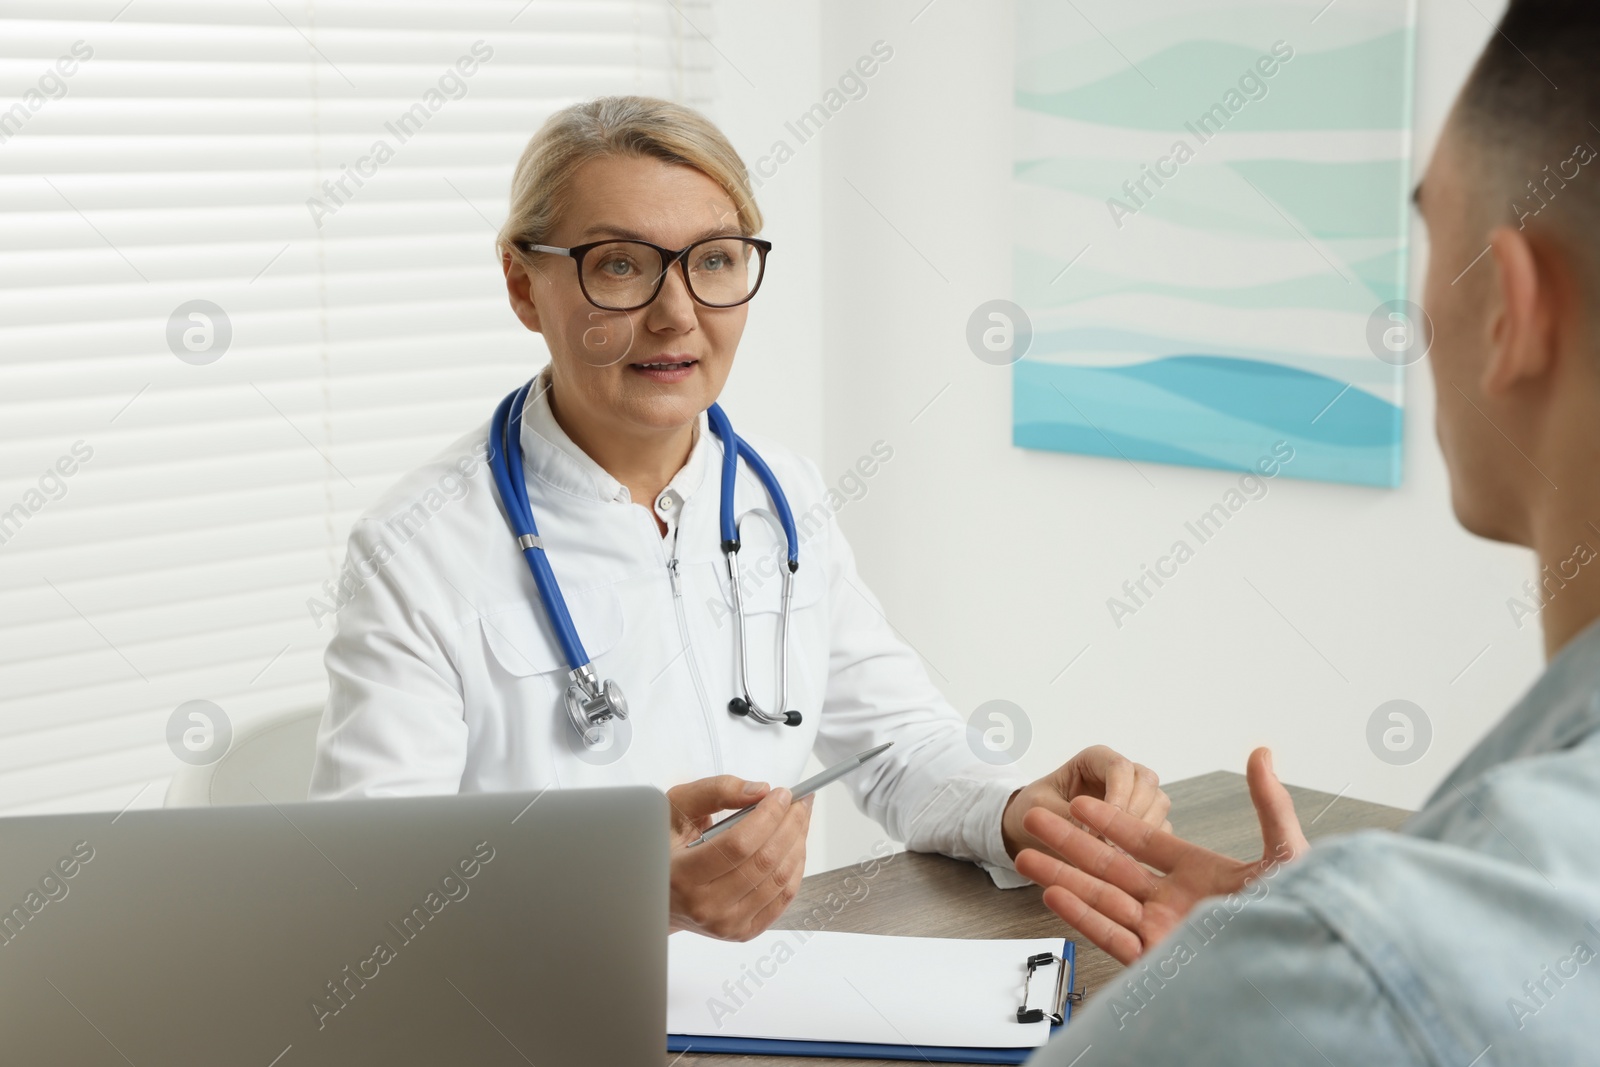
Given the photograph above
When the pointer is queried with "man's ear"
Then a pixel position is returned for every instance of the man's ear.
(1522, 330)
(519, 288)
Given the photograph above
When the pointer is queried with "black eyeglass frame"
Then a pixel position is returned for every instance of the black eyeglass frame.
(668, 258)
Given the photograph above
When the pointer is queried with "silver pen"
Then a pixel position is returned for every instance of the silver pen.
(801, 791)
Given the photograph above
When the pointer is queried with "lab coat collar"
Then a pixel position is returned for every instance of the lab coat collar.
(550, 455)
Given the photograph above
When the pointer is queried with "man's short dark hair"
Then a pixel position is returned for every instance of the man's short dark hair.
(1530, 109)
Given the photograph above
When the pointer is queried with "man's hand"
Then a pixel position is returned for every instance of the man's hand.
(1121, 906)
(1095, 772)
(734, 886)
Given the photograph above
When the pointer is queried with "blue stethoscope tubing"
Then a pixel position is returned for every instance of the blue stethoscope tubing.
(590, 703)
(519, 513)
(730, 468)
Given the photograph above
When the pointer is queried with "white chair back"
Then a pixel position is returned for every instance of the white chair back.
(269, 761)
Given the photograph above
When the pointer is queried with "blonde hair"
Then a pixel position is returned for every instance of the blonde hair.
(617, 125)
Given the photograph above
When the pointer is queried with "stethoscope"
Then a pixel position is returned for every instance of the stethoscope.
(591, 703)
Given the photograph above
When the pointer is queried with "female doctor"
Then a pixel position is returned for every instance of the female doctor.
(569, 620)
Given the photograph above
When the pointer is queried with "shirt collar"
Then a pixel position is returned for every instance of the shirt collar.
(1560, 711)
(550, 455)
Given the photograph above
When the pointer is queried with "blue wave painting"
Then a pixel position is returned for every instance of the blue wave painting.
(1209, 411)
(1211, 222)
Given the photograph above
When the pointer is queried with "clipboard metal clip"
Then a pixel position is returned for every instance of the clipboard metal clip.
(1063, 994)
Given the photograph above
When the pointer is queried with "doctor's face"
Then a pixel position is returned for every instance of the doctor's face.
(657, 367)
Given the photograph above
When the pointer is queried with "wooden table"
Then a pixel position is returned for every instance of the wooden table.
(931, 896)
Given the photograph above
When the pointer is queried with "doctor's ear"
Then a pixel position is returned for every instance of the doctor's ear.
(519, 288)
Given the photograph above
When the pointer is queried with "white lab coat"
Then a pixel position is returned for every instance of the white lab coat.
(445, 675)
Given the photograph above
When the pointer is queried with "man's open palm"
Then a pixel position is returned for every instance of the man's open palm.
(1122, 906)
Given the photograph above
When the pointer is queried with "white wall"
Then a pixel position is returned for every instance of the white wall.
(996, 562)
(766, 58)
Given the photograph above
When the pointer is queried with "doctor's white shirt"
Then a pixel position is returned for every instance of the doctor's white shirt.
(446, 676)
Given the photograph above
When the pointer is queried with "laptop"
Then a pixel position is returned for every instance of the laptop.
(486, 929)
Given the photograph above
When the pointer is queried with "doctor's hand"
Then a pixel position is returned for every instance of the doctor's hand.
(1095, 772)
(1124, 907)
(734, 886)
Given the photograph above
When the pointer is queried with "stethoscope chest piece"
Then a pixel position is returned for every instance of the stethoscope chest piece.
(591, 705)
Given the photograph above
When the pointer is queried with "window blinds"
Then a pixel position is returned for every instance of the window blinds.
(246, 281)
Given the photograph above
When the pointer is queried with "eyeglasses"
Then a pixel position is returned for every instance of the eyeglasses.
(721, 272)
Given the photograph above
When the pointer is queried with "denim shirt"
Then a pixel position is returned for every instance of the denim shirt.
(1468, 939)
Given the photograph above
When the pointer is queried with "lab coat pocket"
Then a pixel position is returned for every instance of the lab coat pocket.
(523, 642)
(514, 711)
(761, 583)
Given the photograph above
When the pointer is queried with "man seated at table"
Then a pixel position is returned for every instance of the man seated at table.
(1471, 937)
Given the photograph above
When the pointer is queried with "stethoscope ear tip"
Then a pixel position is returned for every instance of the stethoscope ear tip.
(741, 706)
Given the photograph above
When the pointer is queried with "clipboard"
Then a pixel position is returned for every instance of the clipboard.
(1043, 998)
